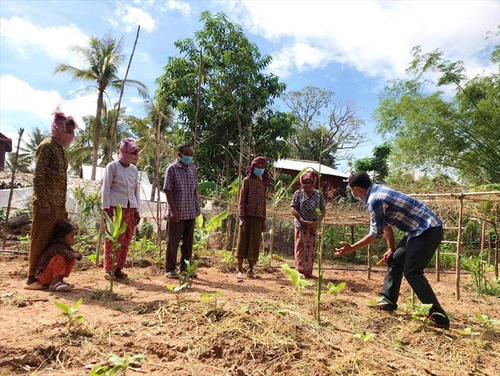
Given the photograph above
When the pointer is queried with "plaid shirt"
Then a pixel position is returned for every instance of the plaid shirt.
(388, 206)
(182, 181)
(306, 205)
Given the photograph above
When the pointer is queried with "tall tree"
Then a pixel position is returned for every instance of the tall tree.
(103, 58)
(377, 164)
(434, 132)
(323, 124)
(235, 95)
(28, 150)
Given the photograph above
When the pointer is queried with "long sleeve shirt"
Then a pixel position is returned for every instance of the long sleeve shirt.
(252, 198)
(388, 206)
(120, 186)
(50, 180)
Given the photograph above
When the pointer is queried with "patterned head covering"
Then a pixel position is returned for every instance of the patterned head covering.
(265, 177)
(58, 129)
(308, 177)
(128, 151)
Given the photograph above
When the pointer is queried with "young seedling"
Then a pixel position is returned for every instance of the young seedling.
(294, 276)
(118, 364)
(206, 297)
(334, 289)
(186, 276)
(365, 337)
(72, 314)
(177, 290)
(115, 228)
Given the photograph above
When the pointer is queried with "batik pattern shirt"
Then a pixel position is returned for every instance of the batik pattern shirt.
(252, 200)
(120, 186)
(55, 249)
(306, 206)
(390, 207)
(182, 181)
(49, 182)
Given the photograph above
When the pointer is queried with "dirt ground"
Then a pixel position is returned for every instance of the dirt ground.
(256, 327)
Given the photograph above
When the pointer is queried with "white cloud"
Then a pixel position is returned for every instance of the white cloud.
(373, 37)
(180, 6)
(55, 41)
(137, 100)
(131, 17)
(18, 95)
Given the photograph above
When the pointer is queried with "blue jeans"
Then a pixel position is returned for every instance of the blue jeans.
(409, 259)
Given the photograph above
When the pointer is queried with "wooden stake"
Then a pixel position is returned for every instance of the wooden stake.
(369, 256)
(483, 230)
(496, 256)
(11, 192)
(438, 251)
(459, 245)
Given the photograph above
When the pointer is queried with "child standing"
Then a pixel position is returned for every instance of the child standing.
(252, 207)
(58, 260)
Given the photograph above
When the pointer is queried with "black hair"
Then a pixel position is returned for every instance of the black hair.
(181, 147)
(360, 179)
(61, 229)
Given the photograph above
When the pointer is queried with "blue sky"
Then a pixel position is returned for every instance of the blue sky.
(351, 47)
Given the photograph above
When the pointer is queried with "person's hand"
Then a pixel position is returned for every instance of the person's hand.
(388, 255)
(44, 210)
(312, 225)
(137, 217)
(346, 248)
(174, 215)
(242, 224)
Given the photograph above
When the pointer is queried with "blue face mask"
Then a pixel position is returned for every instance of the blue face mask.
(187, 160)
(259, 171)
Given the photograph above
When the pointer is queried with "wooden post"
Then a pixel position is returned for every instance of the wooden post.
(496, 256)
(352, 234)
(369, 256)
(489, 249)
(483, 230)
(438, 251)
(459, 245)
(11, 192)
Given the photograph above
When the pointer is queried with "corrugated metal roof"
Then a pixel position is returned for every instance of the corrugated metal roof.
(299, 165)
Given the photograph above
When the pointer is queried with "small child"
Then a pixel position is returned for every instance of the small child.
(252, 205)
(58, 260)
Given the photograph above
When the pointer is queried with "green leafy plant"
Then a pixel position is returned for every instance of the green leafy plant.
(294, 277)
(24, 242)
(176, 290)
(186, 276)
(75, 318)
(115, 227)
(468, 332)
(207, 297)
(487, 322)
(335, 289)
(364, 336)
(118, 364)
(229, 262)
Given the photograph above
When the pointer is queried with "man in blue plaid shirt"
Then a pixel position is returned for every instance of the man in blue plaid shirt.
(424, 232)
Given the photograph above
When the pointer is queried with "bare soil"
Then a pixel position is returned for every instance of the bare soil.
(256, 327)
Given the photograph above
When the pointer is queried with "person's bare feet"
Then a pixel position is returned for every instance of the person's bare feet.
(35, 286)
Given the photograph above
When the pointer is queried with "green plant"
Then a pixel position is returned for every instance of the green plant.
(364, 336)
(142, 248)
(186, 276)
(115, 228)
(24, 242)
(145, 230)
(468, 332)
(118, 364)
(88, 203)
(487, 322)
(228, 260)
(177, 290)
(206, 297)
(294, 276)
(334, 289)
(72, 314)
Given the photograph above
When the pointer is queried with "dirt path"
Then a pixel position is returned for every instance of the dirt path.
(256, 327)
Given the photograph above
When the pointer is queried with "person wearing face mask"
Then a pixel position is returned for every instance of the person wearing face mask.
(49, 190)
(181, 189)
(305, 201)
(252, 212)
(424, 232)
(121, 186)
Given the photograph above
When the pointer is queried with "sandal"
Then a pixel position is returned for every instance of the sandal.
(240, 277)
(60, 287)
(35, 286)
(120, 275)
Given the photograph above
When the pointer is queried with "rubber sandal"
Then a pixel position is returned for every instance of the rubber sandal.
(35, 286)
(60, 287)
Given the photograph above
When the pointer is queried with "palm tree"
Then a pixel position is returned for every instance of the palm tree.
(27, 152)
(103, 58)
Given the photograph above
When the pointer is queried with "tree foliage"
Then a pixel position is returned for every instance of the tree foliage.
(322, 123)
(433, 132)
(236, 94)
(377, 164)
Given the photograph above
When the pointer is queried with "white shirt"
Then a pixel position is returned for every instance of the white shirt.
(120, 186)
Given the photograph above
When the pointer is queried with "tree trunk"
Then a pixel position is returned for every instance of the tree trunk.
(198, 91)
(95, 133)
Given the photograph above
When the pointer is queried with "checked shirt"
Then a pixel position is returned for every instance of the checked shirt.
(182, 181)
(306, 205)
(388, 206)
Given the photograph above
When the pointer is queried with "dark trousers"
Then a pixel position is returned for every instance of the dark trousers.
(184, 230)
(409, 259)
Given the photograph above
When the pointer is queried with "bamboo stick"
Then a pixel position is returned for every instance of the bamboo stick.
(483, 230)
(459, 245)
(438, 251)
(369, 256)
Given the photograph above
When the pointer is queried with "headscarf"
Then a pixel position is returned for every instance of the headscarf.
(58, 129)
(308, 176)
(265, 177)
(127, 150)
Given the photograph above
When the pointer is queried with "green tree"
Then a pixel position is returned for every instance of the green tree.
(376, 164)
(432, 132)
(234, 102)
(28, 150)
(323, 123)
(103, 58)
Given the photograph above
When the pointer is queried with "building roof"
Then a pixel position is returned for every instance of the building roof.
(299, 165)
